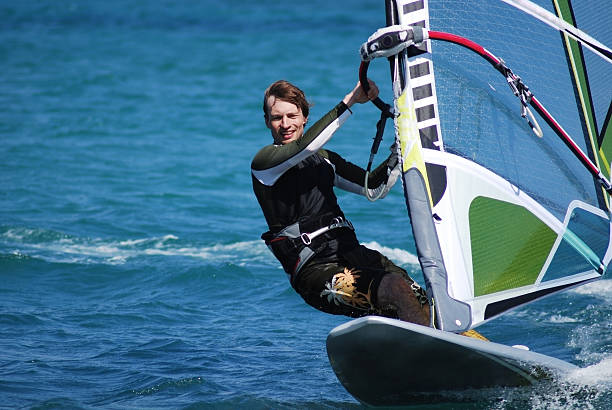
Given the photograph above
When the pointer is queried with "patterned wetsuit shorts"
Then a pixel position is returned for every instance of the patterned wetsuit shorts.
(349, 285)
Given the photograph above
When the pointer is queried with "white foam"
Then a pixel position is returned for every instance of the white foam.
(133, 242)
(18, 234)
(233, 251)
(398, 256)
(600, 288)
(61, 248)
(599, 374)
(561, 319)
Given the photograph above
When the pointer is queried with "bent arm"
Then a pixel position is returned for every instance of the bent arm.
(351, 177)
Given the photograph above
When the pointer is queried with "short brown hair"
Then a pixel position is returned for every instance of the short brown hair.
(285, 91)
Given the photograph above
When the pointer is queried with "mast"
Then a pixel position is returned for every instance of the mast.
(412, 126)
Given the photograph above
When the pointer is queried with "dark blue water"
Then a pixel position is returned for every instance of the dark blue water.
(132, 274)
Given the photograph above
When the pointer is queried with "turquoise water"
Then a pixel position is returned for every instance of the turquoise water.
(131, 267)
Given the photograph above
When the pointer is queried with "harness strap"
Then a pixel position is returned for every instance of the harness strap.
(337, 222)
(293, 247)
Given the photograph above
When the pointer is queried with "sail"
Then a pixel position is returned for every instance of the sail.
(501, 216)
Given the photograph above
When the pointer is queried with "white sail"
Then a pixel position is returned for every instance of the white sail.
(500, 217)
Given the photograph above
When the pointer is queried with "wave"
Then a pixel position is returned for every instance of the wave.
(58, 247)
(62, 248)
(400, 257)
(598, 374)
(601, 288)
(556, 318)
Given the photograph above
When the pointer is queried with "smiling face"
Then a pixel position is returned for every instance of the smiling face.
(285, 120)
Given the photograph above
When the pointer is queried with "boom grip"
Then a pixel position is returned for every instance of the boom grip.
(363, 79)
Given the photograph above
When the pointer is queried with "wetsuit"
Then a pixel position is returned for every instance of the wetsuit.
(294, 186)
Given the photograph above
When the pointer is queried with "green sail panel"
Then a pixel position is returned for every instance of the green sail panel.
(509, 245)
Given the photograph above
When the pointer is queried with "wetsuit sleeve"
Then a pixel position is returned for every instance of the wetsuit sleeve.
(272, 161)
(351, 177)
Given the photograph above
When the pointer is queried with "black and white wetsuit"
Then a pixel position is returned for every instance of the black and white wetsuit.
(294, 184)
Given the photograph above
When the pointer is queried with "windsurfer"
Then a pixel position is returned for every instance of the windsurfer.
(293, 180)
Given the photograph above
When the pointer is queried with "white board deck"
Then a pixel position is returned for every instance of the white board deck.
(387, 362)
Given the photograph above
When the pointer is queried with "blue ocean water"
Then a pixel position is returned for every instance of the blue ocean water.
(131, 267)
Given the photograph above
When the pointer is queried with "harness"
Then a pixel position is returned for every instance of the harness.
(293, 248)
